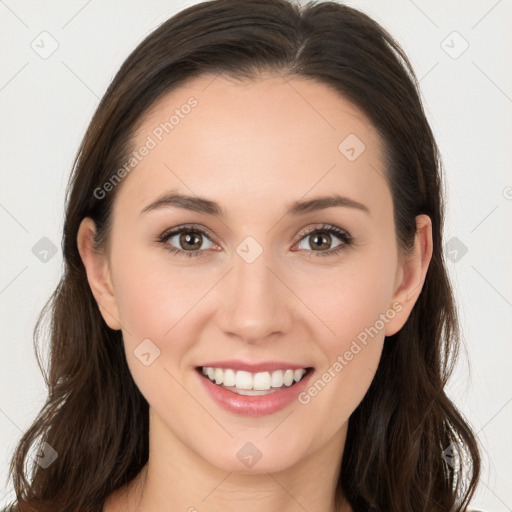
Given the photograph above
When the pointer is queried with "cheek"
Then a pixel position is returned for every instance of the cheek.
(352, 299)
(155, 303)
(354, 302)
(162, 303)
(153, 295)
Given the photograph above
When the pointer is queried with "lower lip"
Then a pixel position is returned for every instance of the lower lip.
(255, 405)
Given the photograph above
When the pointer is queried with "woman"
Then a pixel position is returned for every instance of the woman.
(255, 312)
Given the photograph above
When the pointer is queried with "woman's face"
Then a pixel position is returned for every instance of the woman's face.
(257, 289)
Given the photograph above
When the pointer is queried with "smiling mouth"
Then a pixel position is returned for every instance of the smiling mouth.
(254, 384)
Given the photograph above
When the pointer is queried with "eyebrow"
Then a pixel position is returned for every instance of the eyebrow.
(208, 207)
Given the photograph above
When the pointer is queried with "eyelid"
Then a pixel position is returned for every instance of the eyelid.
(330, 228)
(198, 228)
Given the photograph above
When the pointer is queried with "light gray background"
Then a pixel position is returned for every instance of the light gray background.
(47, 103)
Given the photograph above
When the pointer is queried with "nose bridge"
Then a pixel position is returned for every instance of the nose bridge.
(256, 303)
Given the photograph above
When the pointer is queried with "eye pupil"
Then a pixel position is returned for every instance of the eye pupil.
(187, 238)
(318, 236)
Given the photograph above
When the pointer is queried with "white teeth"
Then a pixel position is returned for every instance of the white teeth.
(229, 378)
(288, 377)
(243, 380)
(277, 379)
(297, 374)
(219, 375)
(253, 383)
(261, 381)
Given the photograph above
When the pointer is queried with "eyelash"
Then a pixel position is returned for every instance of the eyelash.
(343, 235)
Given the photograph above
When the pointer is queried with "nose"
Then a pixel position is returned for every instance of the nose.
(256, 302)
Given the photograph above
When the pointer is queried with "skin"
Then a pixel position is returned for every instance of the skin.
(253, 147)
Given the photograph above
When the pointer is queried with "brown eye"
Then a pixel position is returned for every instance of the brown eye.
(185, 241)
(190, 240)
(321, 240)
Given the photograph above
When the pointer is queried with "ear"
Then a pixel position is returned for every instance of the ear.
(411, 275)
(98, 273)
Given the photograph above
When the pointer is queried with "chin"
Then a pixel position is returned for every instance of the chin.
(257, 457)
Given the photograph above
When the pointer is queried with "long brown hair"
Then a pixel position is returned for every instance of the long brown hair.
(406, 433)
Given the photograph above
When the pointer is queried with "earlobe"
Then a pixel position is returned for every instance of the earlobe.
(98, 273)
(412, 274)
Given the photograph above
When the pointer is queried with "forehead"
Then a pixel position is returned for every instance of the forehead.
(272, 138)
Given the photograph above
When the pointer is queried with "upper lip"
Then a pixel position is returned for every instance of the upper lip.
(254, 367)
